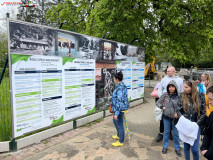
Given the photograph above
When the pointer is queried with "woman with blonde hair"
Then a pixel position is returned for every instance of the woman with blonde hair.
(193, 108)
(206, 79)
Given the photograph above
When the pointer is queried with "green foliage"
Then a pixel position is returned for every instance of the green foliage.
(185, 28)
(179, 30)
(3, 47)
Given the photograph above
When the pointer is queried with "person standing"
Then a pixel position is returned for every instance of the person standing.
(206, 79)
(207, 145)
(163, 89)
(170, 103)
(119, 103)
(193, 108)
(200, 87)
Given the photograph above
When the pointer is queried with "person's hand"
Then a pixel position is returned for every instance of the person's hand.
(175, 115)
(115, 117)
(164, 108)
(203, 152)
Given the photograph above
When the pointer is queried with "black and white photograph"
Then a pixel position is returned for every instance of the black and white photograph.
(88, 47)
(105, 88)
(121, 52)
(33, 40)
(141, 54)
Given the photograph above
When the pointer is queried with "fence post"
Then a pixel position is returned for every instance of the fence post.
(74, 124)
(104, 113)
(4, 68)
(13, 145)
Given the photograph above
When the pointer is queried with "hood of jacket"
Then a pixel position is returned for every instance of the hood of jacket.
(172, 82)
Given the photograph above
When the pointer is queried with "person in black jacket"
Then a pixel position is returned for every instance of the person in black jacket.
(207, 145)
(193, 106)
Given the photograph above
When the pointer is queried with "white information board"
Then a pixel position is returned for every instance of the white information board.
(126, 68)
(48, 90)
(138, 79)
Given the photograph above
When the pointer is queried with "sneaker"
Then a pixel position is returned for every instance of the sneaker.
(164, 151)
(117, 144)
(159, 137)
(181, 144)
(171, 136)
(115, 137)
(178, 153)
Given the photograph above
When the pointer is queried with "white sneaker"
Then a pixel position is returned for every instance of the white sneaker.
(181, 144)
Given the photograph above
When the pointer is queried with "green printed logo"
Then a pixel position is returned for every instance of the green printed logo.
(118, 62)
(67, 59)
(55, 121)
(91, 111)
(18, 130)
(18, 57)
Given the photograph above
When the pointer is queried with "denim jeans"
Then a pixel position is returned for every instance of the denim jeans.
(167, 123)
(194, 148)
(119, 125)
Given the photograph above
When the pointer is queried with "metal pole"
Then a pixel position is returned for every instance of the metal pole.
(4, 68)
(10, 76)
(149, 80)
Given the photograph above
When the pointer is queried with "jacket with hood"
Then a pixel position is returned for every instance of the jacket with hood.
(165, 81)
(120, 99)
(170, 101)
(192, 114)
(208, 139)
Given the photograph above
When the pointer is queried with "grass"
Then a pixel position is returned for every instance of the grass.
(5, 111)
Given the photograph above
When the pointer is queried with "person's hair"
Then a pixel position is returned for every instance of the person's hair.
(209, 90)
(119, 76)
(208, 77)
(196, 78)
(194, 96)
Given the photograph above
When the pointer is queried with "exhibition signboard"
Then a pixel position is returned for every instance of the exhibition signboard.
(57, 75)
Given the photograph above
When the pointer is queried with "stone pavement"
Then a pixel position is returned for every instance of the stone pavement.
(93, 141)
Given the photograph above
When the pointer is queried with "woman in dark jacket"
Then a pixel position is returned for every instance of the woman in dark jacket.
(170, 103)
(207, 145)
(193, 108)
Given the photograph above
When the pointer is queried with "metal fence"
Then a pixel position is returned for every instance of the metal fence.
(5, 107)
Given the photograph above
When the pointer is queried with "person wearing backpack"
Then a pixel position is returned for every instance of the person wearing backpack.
(207, 145)
(170, 103)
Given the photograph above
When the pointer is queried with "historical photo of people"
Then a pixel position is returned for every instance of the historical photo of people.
(33, 40)
(89, 47)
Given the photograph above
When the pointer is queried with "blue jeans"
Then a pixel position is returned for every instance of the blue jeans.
(167, 123)
(119, 125)
(194, 148)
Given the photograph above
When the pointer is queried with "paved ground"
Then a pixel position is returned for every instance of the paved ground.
(93, 141)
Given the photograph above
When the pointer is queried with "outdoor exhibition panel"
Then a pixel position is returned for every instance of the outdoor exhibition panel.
(57, 75)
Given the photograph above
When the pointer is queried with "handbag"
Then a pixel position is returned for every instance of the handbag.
(154, 93)
(110, 109)
(158, 111)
